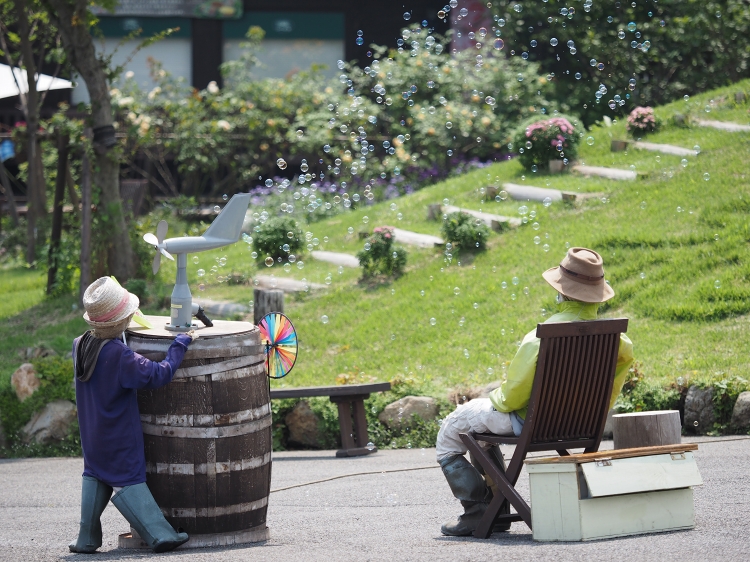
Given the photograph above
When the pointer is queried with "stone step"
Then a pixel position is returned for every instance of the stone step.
(608, 173)
(336, 258)
(222, 308)
(723, 125)
(417, 239)
(286, 284)
(533, 193)
(663, 148)
(495, 222)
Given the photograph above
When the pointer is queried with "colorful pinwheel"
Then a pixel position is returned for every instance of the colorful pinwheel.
(280, 339)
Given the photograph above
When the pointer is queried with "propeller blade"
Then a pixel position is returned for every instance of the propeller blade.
(151, 239)
(156, 263)
(161, 230)
(166, 254)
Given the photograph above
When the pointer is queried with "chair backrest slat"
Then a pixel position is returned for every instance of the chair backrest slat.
(573, 380)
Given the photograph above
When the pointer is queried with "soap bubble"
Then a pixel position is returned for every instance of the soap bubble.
(281, 163)
(196, 259)
(553, 41)
(717, 284)
(201, 272)
(476, 305)
(631, 26)
(643, 275)
(225, 197)
(433, 321)
(547, 201)
(499, 44)
(706, 176)
(697, 149)
(684, 162)
(695, 423)
(269, 261)
(407, 16)
(217, 209)
(370, 446)
(456, 291)
(589, 140)
(300, 265)
(515, 280)
(324, 319)
(365, 219)
(201, 287)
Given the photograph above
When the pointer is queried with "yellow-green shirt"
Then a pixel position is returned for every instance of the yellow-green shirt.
(515, 392)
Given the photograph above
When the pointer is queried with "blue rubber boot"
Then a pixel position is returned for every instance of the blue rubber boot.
(138, 506)
(94, 498)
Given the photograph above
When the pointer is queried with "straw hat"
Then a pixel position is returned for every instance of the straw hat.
(107, 304)
(580, 276)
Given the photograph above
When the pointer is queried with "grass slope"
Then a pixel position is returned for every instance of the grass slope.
(675, 247)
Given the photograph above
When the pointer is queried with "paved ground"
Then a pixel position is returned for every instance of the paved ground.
(382, 516)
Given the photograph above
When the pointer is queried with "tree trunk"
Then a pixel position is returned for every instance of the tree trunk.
(8, 189)
(30, 102)
(57, 212)
(85, 226)
(71, 16)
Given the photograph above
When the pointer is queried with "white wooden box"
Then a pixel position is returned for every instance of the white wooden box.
(612, 494)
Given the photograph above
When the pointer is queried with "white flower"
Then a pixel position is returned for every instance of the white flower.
(212, 87)
(125, 101)
(129, 74)
(132, 117)
(223, 124)
(114, 92)
(153, 93)
(144, 127)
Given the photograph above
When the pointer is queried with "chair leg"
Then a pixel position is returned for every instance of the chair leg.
(504, 485)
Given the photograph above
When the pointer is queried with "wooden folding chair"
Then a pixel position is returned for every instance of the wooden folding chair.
(568, 407)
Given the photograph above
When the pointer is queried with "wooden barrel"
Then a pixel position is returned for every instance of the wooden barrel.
(207, 434)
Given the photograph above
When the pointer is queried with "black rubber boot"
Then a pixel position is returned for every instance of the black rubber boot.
(497, 455)
(468, 486)
(94, 498)
(138, 506)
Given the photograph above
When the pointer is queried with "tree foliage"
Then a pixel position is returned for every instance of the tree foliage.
(644, 53)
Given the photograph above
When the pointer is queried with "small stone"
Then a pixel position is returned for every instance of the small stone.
(24, 381)
(304, 426)
(51, 423)
(741, 412)
(401, 411)
(699, 408)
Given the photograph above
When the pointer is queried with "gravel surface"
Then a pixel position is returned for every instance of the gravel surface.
(381, 516)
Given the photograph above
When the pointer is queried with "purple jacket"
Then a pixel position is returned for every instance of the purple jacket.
(111, 435)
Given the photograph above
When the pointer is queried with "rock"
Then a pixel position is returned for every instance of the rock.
(699, 410)
(50, 424)
(401, 411)
(609, 425)
(24, 381)
(304, 426)
(741, 412)
(36, 352)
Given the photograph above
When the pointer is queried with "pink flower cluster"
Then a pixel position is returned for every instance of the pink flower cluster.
(642, 119)
(542, 126)
(386, 231)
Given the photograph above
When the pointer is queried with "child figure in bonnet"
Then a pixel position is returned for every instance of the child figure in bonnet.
(108, 376)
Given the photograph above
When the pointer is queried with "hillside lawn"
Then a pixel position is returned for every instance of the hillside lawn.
(675, 248)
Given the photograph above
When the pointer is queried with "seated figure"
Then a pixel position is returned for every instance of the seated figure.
(579, 281)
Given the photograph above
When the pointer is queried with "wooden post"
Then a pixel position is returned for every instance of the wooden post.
(85, 224)
(434, 212)
(265, 301)
(646, 429)
(57, 210)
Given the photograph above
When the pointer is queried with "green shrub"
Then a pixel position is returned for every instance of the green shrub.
(139, 288)
(465, 231)
(278, 237)
(379, 256)
(541, 141)
(56, 376)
